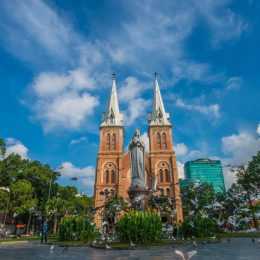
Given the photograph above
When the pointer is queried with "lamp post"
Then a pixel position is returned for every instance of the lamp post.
(49, 192)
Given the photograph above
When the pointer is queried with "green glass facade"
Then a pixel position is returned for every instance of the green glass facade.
(205, 170)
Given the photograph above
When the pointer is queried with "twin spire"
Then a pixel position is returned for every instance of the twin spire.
(113, 117)
(158, 115)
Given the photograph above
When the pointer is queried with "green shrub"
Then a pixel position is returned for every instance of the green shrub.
(139, 227)
(77, 228)
(199, 227)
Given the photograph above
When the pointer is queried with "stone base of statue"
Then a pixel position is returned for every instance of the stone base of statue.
(139, 197)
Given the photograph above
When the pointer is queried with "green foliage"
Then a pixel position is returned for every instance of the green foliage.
(14, 168)
(139, 227)
(162, 203)
(248, 181)
(201, 227)
(202, 210)
(113, 206)
(2, 147)
(67, 201)
(22, 200)
(196, 196)
(77, 228)
(4, 199)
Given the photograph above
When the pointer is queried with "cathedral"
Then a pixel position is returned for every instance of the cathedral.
(113, 169)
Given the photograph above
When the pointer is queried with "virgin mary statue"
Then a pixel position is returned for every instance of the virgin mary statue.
(136, 148)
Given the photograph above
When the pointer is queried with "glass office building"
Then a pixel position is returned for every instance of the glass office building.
(205, 170)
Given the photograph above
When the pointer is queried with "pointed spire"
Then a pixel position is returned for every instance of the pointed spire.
(158, 115)
(113, 117)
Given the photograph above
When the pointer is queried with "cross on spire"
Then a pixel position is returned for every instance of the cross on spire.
(113, 117)
(158, 115)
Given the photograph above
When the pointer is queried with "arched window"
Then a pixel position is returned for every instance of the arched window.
(168, 192)
(164, 143)
(163, 172)
(114, 142)
(108, 142)
(158, 139)
(113, 177)
(161, 175)
(110, 174)
(167, 175)
(161, 192)
(107, 176)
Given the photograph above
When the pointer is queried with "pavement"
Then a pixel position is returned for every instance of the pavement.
(236, 248)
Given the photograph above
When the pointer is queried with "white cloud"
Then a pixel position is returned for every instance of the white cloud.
(130, 94)
(224, 24)
(14, 146)
(136, 110)
(212, 110)
(79, 140)
(229, 175)
(180, 167)
(233, 83)
(145, 139)
(50, 84)
(38, 27)
(193, 71)
(131, 89)
(63, 101)
(181, 149)
(258, 129)
(172, 25)
(85, 175)
(184, 154)
(239, 149)
(66, 111)
(67, 169)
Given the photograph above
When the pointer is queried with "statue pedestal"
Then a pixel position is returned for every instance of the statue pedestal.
(139, 197)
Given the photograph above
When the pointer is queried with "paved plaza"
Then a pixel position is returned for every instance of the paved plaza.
(239, 248)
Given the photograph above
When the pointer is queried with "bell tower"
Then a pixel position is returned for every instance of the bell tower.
(109, 158)
(162, 156)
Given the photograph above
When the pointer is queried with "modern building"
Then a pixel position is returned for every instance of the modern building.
(205, 170)
(113, 174)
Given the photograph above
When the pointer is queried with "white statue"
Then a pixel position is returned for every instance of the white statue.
(136, 148)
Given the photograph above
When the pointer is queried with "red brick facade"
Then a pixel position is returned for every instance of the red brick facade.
(113, 166)
(113, 173)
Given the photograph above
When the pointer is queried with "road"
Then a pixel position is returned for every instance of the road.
(237, 248)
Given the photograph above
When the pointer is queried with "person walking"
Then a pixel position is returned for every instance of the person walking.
(44, 235)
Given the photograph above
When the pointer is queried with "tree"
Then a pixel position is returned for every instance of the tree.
(66, 201)
(2, 148)
(4, 202)
(35, 191)
(114, 206)
(235, 213)
(42, 178)
(249, 179)
(201, 210)
(4, 197)
(55, 208)
(11, 169)
(22, 200)
(22, 197)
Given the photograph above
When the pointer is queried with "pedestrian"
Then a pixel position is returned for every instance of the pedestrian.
(44, 232)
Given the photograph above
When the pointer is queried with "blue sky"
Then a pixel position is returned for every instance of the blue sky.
(57, 58)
